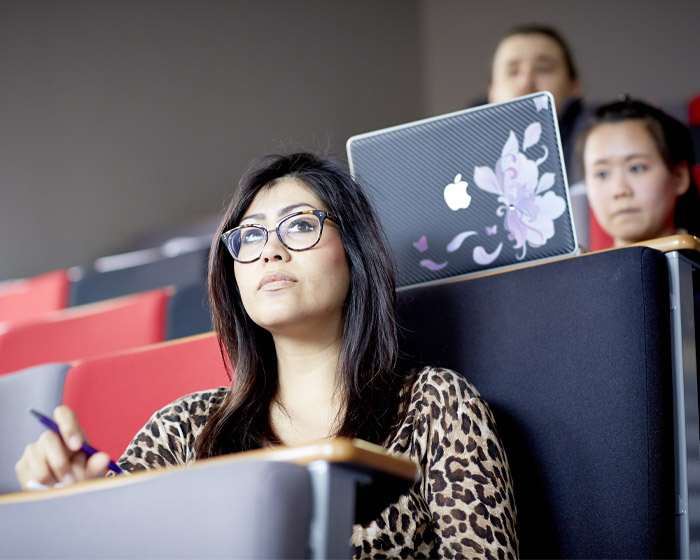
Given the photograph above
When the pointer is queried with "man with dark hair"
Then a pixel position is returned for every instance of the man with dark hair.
(533, 58)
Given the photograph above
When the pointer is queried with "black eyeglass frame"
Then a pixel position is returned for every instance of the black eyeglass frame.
(322, 216)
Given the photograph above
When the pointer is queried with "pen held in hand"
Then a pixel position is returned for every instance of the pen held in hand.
(85, 448)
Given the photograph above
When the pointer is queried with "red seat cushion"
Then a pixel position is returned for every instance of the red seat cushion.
(33, 296)
(79, 332)
(115, 395)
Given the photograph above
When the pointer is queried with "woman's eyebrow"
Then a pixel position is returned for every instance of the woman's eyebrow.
(605, 160)
(287, 209)
(281, 212)
(636, 155)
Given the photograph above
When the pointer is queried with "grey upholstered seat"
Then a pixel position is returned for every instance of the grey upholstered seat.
(184, 268)
(188, 311)
(38, 387)
(574, 357)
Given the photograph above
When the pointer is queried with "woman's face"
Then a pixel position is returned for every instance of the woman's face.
(632, 192)
(294, 293)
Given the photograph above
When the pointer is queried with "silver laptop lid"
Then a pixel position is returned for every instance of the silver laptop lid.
(478, 189)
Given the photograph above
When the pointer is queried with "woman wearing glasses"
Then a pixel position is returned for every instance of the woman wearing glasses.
(302, 295)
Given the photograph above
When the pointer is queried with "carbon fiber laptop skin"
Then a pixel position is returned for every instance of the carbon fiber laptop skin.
(473, 190)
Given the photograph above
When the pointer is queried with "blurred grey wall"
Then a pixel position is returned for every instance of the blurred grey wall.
(118, 117)
(648, 48)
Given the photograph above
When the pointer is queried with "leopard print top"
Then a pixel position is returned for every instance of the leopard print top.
(462, 506)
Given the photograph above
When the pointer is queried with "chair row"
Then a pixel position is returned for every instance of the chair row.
(113, 394)
(594, 393)
(182, 263)
(90, 330)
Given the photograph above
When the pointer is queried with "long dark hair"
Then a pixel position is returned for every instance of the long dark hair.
(371, 386)
(672, 139)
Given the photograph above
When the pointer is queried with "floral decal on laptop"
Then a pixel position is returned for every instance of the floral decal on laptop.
(525, 203)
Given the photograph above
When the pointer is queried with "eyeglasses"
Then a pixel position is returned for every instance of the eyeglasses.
(298, 231)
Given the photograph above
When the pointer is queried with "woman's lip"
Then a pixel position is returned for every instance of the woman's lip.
(625, 212)
(276, 281)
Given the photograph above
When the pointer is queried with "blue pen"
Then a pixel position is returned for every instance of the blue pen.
(51, 425)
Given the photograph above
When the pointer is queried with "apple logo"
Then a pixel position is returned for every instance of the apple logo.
(456, 195)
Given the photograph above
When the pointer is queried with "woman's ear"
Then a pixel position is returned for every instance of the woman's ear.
(681, 176)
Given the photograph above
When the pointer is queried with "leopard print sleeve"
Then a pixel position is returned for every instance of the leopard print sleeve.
(468, 486)
(168, 437)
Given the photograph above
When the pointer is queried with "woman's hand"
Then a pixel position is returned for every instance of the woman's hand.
(54, 459)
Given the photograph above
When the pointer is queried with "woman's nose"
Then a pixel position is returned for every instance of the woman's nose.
(274, 250)
(621, 186)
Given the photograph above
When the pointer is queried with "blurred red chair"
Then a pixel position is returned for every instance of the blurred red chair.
(598, 238)
(21, 299)
(80, 332)
(694, 110)
(115, 395)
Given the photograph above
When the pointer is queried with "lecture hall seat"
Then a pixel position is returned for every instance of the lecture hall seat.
(21, 299)
(574, 358)
(40, 388)
(188, 311)
(89, 286)
(694, 110)
(115, 395)
(90, 330)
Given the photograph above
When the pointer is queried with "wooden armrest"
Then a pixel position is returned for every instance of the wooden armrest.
(671, 243)
(353, 453)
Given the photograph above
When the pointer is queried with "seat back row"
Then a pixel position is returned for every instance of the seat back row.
(107, 326)
(113, 395)
(30, 297)
(574, 357)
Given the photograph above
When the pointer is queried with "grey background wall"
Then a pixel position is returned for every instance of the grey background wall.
(649, 48)
(118, 117)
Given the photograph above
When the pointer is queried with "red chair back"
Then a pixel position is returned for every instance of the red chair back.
(80, 332)
(694, 111)
(115, 395)
(598, 237)
(29, 297)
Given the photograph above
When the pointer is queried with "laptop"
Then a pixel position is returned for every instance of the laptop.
(462, 193)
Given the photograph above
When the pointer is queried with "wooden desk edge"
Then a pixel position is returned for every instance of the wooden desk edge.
(671, 243)
(353, 453)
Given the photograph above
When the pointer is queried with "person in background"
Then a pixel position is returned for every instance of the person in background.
(638, 165)
(302, 292)
(533, 58)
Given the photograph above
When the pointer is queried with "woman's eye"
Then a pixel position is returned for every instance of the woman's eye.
(638, 168)
(302, 225)
(601, 174)
(249, 236)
